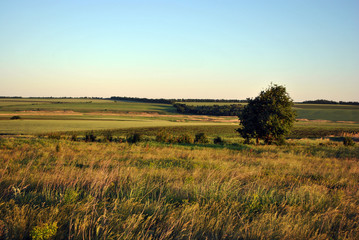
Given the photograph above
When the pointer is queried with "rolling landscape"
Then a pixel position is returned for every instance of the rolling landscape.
(179, 120)
(70, 170)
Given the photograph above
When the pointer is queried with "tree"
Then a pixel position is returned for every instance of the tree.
(269, 116)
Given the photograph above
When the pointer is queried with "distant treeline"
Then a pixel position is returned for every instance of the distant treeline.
(172, 101)
(323, 101)
(214, 110)
(145, 100)
(10, 97)
(53, 97)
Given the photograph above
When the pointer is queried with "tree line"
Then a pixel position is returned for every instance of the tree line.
(173, 100)
(323, 101)
(214, 110)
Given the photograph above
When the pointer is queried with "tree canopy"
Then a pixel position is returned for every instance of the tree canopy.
(269, 116)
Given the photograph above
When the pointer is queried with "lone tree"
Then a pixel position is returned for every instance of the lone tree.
(269, 116)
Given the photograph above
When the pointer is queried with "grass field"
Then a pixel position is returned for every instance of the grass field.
(79, 190)
(44, 126)
(80, 105)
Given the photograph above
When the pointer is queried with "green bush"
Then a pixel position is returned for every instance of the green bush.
(201, 138)
(56, 136)
(90, 137)
(74, 137)
(134, 138)
(185, 138)
(348, 141)
(164, 137)
(108, 136)
(218, 140)
(44, 232)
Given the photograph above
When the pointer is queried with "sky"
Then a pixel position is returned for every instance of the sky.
(179, 48)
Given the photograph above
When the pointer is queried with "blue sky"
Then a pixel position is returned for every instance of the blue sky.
(179, 49)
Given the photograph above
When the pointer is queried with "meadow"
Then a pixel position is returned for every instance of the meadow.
(150, 190)
(76, 173)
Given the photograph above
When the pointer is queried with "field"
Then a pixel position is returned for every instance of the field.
(69, 170)
(331, 112)
(80, 190)
(53, 115)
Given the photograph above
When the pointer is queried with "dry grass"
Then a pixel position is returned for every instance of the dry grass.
(306, 190)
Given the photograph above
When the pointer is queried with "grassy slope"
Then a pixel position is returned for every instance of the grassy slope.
(43, 126)
(152, 190)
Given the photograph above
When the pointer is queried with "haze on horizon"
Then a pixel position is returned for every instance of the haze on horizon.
(179, 49)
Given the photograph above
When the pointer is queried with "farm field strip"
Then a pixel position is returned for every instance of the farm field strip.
(43, 126)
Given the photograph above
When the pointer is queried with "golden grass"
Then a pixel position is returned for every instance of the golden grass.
(156, 191)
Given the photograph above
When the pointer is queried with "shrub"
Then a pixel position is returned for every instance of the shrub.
(201, 138)
(164, 137)
(108, 136)
(185, 138)
(54, 136)
(15, 117)
(218, 140)
(43, 232)
(348, 141)
(134, 138)
(90, 137)
(74, 137)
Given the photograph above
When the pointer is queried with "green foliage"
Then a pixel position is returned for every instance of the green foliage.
(214, 110)
(54, 135)
(44, 231)
(348, 141)
(164, 136)
(218, 140)
(269, 116)
(90, 137)
(185, 138)
(58, 148)
(74, 137)
(108, 136)
(201, 138)
(134, 138)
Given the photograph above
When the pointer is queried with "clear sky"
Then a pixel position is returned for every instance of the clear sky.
(179, 48)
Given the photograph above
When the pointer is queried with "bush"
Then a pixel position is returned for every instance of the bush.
(56, 136)
(185, 138)
(218, 140)
(90, 137)
(108, 136)
(43, 232)
(201, 138)
(134, 138)
(348, 141)
(164, 137)
(15, 117)
(74, 137)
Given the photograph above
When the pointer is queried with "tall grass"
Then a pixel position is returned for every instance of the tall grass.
(150, 190)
